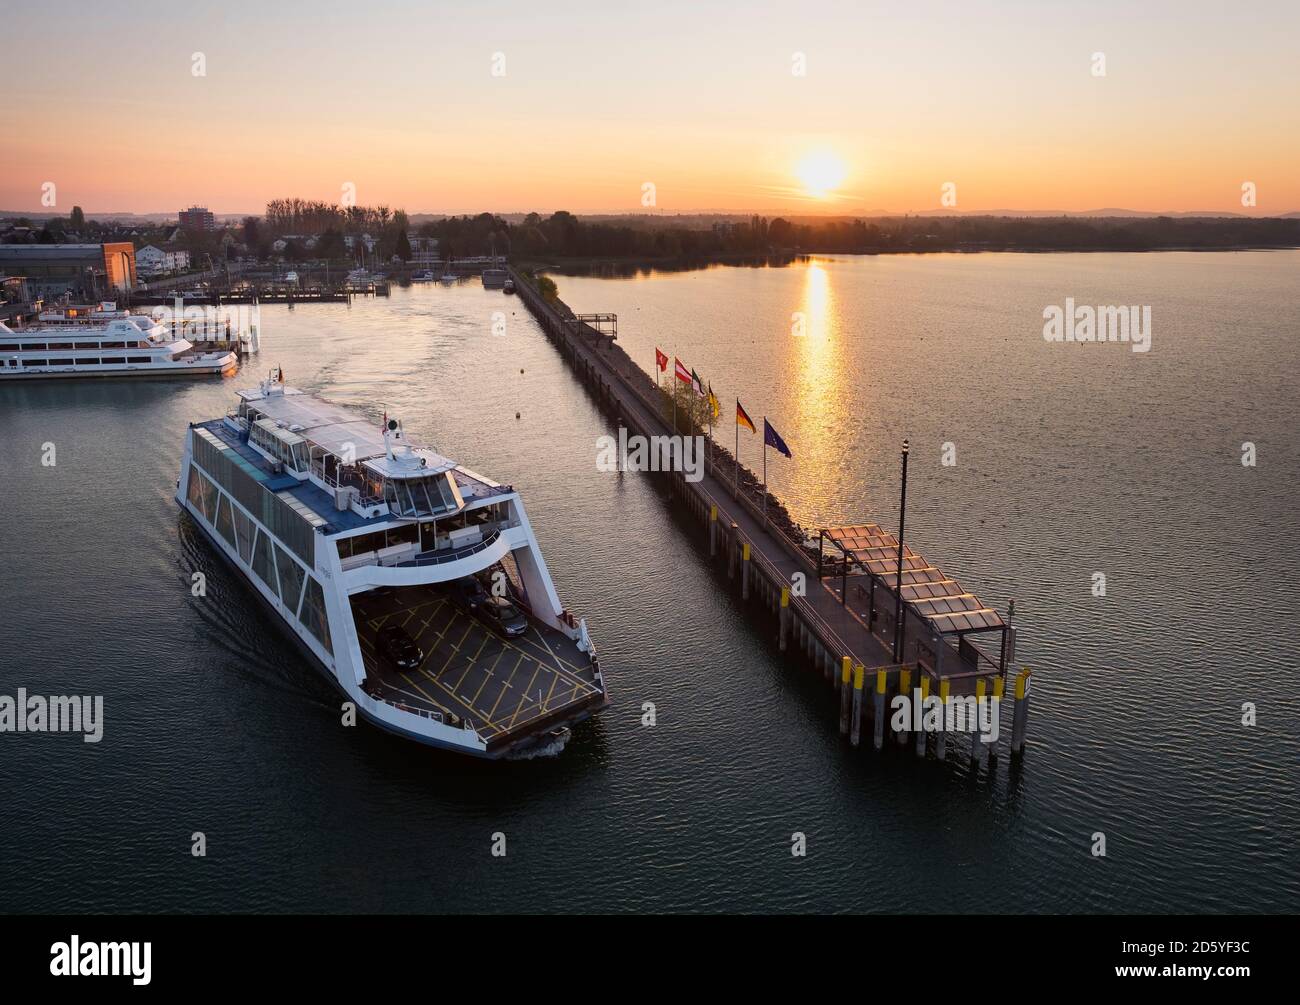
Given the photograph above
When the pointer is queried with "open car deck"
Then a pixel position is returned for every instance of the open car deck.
(505, 689)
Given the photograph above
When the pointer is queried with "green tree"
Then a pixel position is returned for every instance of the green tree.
(78, 219)
(403, 250)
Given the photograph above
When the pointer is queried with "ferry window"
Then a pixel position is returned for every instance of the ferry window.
(11, 347)
(406, 534)
(244, 535)
(291, 575)
(87, 345)
(34, 346)
(225, 523)
(202, 494)
(60, 345)
(313, 615)
(87, 361)
(35, 362)
(139, 359)
(262, 561)
(113, 345)
(113, 359)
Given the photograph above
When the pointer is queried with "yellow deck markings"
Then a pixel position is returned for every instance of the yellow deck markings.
(502, 694)
(559, 669)
(428, 697)
(561, 662)
(473, 662)
(566, 678)
(554, 679)
(537, 668)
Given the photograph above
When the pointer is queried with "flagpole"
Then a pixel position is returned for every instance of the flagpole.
(735, 489)
(765, 471)
(710, 438)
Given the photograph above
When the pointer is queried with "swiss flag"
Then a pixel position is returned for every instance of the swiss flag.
(661, 360)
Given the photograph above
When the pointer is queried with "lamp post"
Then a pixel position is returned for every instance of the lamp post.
(898, 582)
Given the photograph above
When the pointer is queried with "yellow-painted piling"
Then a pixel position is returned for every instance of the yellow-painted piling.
(744, 571)
(881, 682)
(1020, 715)
(785, 617)
(713, 531)
(941, 743)
(845, 700)
(976, 740)
(920, 733)
(905, 689)
(855, 732)
(998, 685)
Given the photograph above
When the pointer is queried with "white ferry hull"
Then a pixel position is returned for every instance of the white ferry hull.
(349, 577)
(355, 695)
(216, 369)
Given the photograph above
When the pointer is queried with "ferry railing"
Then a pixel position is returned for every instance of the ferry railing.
(453, 555)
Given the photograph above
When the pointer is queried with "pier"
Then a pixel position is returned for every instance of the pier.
(338, 294)
(833, 599)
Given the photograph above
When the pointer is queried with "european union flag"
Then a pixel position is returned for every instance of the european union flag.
(773, 439)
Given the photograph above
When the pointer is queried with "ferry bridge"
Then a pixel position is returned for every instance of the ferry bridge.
(844, 623)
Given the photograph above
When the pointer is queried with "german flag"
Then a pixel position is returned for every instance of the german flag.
(743, 419)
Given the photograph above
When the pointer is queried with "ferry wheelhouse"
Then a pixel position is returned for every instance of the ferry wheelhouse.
(416, 584)
(108, 343)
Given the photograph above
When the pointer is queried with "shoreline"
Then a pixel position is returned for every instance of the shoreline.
(583, 264)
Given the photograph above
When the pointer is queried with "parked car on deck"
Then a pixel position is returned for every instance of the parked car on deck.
(398, 648)
(503, 617)
(468, 594)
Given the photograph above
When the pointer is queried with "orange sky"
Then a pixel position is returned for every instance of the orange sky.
(699, 99)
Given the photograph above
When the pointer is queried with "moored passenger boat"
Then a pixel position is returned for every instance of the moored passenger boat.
(110, 343)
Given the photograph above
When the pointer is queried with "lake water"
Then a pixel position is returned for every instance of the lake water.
(1071, 460)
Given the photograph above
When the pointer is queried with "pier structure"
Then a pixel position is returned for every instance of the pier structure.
(835, 603)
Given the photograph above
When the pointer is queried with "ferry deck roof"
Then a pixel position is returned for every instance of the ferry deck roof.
(320, 502)
(336, 429)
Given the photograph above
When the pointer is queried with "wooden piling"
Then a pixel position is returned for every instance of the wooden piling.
(784, 616)
(744, 572)
(731, 552)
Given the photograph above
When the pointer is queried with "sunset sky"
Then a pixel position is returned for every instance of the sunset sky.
(699, 99)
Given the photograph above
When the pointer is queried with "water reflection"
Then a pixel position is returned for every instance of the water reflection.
(817, 365)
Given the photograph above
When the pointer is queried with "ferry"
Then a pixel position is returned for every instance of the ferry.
(106, 343)
(414, 584)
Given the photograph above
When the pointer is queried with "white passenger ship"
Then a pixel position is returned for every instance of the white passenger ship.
(111, 343)
(354, 538)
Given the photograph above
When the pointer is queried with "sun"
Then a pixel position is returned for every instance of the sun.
(821, 173)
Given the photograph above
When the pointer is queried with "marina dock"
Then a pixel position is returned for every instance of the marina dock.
(833, 600)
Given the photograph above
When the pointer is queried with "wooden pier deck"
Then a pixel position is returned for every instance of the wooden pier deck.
(842, 639)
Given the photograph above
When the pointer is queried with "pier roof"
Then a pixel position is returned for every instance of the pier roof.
(927, 591)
